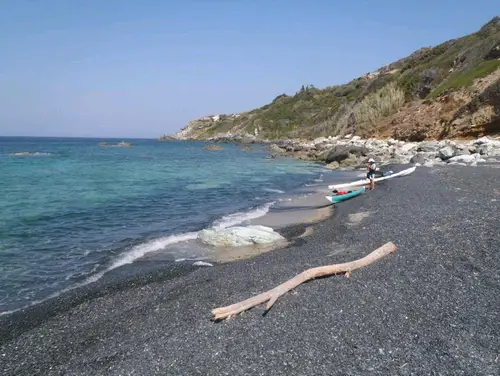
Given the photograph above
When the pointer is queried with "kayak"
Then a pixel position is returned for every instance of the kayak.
(338, 198)
(367, 181)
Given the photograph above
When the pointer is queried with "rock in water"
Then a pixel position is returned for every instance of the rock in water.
(238, 236)
(213, 147)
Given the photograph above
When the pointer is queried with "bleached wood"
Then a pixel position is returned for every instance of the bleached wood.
(271, 296)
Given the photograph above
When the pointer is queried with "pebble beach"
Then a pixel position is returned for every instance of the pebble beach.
(431, 308)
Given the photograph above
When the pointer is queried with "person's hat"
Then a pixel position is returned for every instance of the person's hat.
(371, 160)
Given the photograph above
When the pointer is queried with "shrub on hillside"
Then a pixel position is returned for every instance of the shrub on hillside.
(383, 102)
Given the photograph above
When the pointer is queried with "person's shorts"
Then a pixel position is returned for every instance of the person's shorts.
(370, 175)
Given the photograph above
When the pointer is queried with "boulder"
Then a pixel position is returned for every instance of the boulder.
(486, 141)
(237, 236)
(333, 165)
(461, 151)
(275, 148)
(446, 153)
(323, 146)
(300, 147)
(407, 147)
(421, 158)
(489, 148)
(429, 146)
(339, 153)
(463, 159)
(483, 149)
(350, 161)
(472, 149)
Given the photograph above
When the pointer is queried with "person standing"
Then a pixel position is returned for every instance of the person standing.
(372, 167)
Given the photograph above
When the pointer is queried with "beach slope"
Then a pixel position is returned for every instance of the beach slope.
(431, 308)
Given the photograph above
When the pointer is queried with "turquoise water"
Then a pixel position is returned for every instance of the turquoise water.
(71, 209)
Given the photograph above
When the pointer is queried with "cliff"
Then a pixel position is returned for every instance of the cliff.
(448, 91)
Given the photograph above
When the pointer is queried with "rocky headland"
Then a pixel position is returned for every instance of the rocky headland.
(436, 105)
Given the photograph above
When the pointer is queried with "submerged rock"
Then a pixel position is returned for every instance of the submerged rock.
(213, 147)
(238, 236)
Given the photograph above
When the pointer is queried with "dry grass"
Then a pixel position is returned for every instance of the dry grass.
(383, 102)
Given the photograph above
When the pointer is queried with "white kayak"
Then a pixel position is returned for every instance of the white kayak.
(367, 181)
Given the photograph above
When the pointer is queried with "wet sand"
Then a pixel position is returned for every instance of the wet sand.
(305, 206)
(309, 209)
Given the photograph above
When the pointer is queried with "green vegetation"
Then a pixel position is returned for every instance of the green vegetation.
(465, 79)
(357, 106)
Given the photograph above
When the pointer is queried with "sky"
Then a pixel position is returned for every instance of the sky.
(123, 68)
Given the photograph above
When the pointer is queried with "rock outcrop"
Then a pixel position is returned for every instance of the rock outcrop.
(354, 152)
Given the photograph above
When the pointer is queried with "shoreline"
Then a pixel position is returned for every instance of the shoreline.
(151, 243)
(410, 313)
(137, 272)
(341, 152)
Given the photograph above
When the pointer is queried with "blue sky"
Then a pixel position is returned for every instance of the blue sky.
(142, 68)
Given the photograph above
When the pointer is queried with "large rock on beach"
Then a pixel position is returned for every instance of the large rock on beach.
(339, 153)
(238, 236)
(422, 157)
(430, 146)
(446, 153)
(463, 158)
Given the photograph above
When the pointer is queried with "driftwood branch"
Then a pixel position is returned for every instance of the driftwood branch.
(271, 296)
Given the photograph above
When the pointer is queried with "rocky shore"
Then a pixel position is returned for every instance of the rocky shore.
(353, 151)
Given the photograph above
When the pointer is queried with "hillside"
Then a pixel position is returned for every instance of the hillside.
(450, 90)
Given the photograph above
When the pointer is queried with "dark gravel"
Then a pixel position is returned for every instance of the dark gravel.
(433, 308)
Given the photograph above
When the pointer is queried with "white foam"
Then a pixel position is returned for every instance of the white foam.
(29, 154)
(156, 245)
(127, 258)
(272, 190)
(202, 263)
(152, 246)
(240, 217)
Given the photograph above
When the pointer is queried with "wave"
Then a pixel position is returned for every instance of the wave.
(272, 190)
(240, 217)
(140, 250)
(29, 154)
(160, 243)
(127, 258)
(155, 245)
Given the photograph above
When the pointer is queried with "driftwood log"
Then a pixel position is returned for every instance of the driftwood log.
(271, 296)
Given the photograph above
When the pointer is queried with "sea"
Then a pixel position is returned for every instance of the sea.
(72, 210)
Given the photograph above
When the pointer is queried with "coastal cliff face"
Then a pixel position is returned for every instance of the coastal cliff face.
(448, 91)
